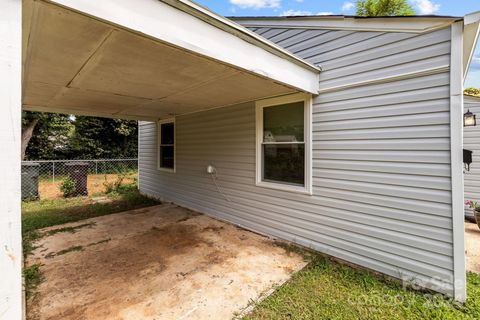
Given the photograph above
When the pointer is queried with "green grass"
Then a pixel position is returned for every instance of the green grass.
(329, 290)
(71, 249)
(33, 277)
(46, 213)
(69, 229)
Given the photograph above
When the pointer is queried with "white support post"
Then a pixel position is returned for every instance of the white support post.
(10, 137)
(456, 147)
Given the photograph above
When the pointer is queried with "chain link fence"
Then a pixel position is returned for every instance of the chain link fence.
(65, 178)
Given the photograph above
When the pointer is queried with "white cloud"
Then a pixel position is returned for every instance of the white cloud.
(256, 4)
(325, 13)
(475, 64)
(296, 13)
(347, 6)
(426, 6)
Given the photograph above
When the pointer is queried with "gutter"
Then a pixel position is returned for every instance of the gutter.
(411, 24)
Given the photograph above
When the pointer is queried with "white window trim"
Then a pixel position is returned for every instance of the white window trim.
(159, 139)
(260, 105)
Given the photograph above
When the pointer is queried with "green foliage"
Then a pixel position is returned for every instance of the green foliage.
(372, 8)
(32, 277)
(472, 91)
(69, 229)
(51, 135)
(60, 136)
(68, 187)
(101, 138)
(28, 241)
(46, 213)
(329, 290)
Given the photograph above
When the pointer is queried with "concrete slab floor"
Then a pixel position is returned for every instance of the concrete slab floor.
(163, 262)
(472, 246)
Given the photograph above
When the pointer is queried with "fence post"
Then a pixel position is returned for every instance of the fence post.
(96, 167)
(53, 171)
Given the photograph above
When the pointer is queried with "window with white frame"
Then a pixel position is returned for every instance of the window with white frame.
(166, 145)
(283, 143)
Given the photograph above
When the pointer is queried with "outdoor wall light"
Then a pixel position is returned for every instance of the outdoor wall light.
(469, 119)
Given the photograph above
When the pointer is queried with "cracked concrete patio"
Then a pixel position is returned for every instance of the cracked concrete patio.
(163, 262)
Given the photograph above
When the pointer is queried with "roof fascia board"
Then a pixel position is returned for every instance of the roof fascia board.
(236, 29)
(471, 32)
(469, 98)
(391, 24)
(162, 22)
(473, 17)
(470, 35)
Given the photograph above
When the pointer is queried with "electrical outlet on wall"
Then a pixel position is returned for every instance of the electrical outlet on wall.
(211, 169)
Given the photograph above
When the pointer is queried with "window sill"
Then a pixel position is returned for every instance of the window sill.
(166, 170)
(284, 187)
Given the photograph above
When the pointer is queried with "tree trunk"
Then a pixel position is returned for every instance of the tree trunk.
(27, 135)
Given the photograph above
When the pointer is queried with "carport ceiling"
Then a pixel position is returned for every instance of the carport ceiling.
(76, 63)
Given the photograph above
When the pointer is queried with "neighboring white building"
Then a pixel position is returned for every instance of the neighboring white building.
(471, 141)
(373, 177)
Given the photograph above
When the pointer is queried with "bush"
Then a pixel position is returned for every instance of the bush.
(114, 186)
(68, 187)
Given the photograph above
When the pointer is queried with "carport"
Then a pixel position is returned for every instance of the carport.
(143, 59)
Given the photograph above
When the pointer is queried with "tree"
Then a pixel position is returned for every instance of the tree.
(45, 135)
(52, 136)
(472, 92)
(29, 122)
(371, 8)
(96, 138)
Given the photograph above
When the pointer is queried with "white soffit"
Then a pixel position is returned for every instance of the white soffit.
(145, 60)
(470, 37)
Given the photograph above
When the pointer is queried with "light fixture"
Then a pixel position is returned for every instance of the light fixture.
(469, 119)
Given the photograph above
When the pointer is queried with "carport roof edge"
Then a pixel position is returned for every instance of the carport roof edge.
(234, 28)
(143, 17)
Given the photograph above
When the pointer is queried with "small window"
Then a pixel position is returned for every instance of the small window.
(166, 145)
(283, 147)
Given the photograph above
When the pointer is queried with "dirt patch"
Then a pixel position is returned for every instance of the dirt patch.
(162, 263)
(472, 242)
(49, 189)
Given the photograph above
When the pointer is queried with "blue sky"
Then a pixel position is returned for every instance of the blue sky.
(306, 7)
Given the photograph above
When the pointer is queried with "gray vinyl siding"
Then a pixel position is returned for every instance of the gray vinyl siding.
(471, 141)
(381, 156)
